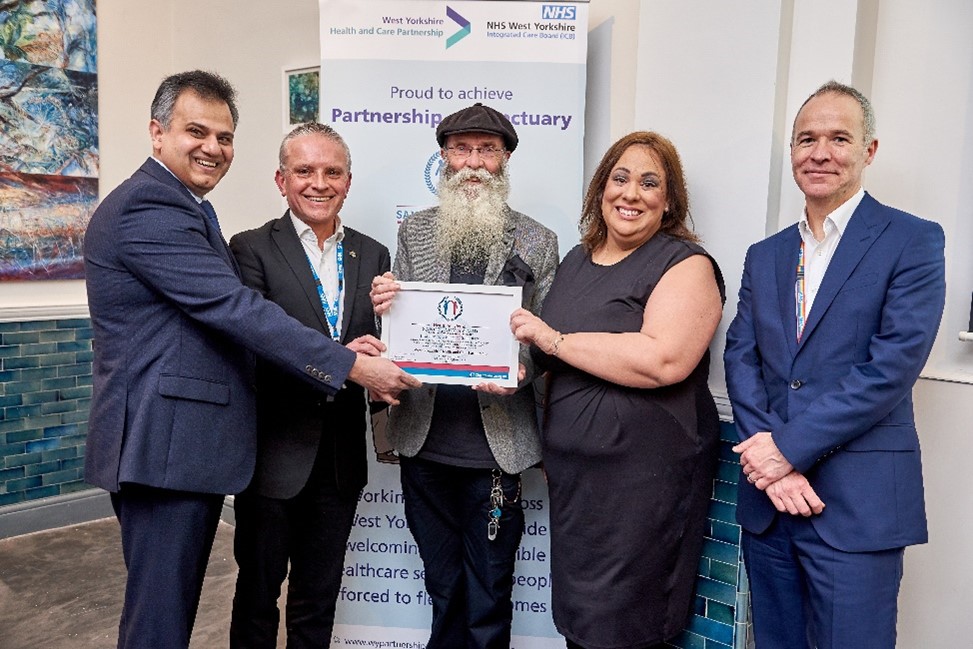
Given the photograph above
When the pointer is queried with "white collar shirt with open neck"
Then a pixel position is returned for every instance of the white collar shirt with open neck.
(818, 254)
(324, 261)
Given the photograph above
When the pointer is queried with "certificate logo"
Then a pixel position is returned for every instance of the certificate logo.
(450, 308)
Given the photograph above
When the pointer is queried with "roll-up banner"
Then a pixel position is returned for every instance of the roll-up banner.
(391, 70)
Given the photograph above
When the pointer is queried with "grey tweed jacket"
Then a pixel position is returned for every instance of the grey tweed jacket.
(527, 256)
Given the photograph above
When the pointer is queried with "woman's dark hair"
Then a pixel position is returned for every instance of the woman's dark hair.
(592, 224)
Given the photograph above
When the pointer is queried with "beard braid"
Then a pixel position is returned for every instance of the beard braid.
(472, 216)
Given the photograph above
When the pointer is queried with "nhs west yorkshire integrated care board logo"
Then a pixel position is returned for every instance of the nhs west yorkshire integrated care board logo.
(556, 22)
(548, 12)
(559, 12)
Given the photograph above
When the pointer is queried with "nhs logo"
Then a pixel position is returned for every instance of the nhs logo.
(558, 12)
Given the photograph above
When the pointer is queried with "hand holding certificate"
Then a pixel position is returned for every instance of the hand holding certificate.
(455, 334)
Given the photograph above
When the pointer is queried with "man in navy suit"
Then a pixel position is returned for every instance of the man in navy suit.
(311, 462)
(172, 425)
(836, 318)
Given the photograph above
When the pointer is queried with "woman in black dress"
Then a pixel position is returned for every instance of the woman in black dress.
(630, 428)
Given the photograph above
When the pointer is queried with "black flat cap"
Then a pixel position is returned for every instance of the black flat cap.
(478, 119)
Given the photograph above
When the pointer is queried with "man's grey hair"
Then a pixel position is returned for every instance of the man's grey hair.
(837, 88)
(208, 85)
(310, 128)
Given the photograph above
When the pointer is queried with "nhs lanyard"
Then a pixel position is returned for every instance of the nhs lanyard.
(331, 309)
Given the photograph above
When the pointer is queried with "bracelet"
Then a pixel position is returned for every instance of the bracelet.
(556, 344)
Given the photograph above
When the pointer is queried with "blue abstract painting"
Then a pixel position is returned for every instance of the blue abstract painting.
(48, 136)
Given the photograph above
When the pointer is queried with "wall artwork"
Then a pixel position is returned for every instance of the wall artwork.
(48, 136)
(301, 96)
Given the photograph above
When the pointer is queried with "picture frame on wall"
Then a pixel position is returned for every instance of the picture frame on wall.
(302, 87)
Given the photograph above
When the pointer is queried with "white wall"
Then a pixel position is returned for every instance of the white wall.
(723, 80)
(922, 90)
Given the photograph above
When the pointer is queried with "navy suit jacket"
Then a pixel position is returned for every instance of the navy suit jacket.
(294, 418)
(175, 333)
(839, 402)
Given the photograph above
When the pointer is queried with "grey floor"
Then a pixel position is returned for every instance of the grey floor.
(63, 588)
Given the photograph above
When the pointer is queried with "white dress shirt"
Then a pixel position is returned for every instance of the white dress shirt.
(818, 254)
(324, 261)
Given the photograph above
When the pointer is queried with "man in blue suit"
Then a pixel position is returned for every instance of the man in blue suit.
(172, 425)
(836, 318)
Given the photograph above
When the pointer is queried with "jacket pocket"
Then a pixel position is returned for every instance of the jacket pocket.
(859, 281)
(901, 437)
(185, 387)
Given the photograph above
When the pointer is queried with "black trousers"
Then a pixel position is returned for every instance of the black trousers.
(468, 577)
(166, 540)
(309, 531)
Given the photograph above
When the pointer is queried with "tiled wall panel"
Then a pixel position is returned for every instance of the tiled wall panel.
(45, 389)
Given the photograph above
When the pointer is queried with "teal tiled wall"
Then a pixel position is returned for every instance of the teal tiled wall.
(45, 389)
(720, 619)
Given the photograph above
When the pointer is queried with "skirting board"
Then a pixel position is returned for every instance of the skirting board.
(68, 509)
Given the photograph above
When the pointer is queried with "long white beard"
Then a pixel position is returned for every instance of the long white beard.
(472, 216)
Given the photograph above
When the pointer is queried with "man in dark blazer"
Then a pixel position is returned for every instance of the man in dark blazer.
(172, 426)
(311, 462)
(836, 318)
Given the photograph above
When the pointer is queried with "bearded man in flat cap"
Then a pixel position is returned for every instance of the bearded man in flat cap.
(458, 446)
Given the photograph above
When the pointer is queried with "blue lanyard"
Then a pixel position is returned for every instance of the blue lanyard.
(331, 309)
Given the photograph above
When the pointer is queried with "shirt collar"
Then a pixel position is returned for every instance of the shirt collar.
(305, 233)
(836, 221)
(199, 199)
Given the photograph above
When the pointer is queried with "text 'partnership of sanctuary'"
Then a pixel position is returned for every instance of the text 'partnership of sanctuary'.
(432, 119)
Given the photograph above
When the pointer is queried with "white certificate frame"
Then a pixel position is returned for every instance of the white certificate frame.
(426, 313)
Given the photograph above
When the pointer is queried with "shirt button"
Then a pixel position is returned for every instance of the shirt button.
(796, 384)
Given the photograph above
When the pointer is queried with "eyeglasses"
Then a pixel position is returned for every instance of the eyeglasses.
(462, 152)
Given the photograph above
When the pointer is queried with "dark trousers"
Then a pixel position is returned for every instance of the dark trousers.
(311, 532)
(468, 577)
(806, 594)
(166, 540)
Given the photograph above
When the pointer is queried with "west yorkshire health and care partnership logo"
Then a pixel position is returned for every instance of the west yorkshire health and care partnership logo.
(464, 27)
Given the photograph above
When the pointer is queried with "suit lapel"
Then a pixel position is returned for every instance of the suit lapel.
(865, 225)
(788, 248)
(292, 252)
(352, 256)
(215, 237)
(161, 174)
(430, 266)
(500, 254)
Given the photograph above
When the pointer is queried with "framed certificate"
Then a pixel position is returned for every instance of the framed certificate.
(453, 334)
